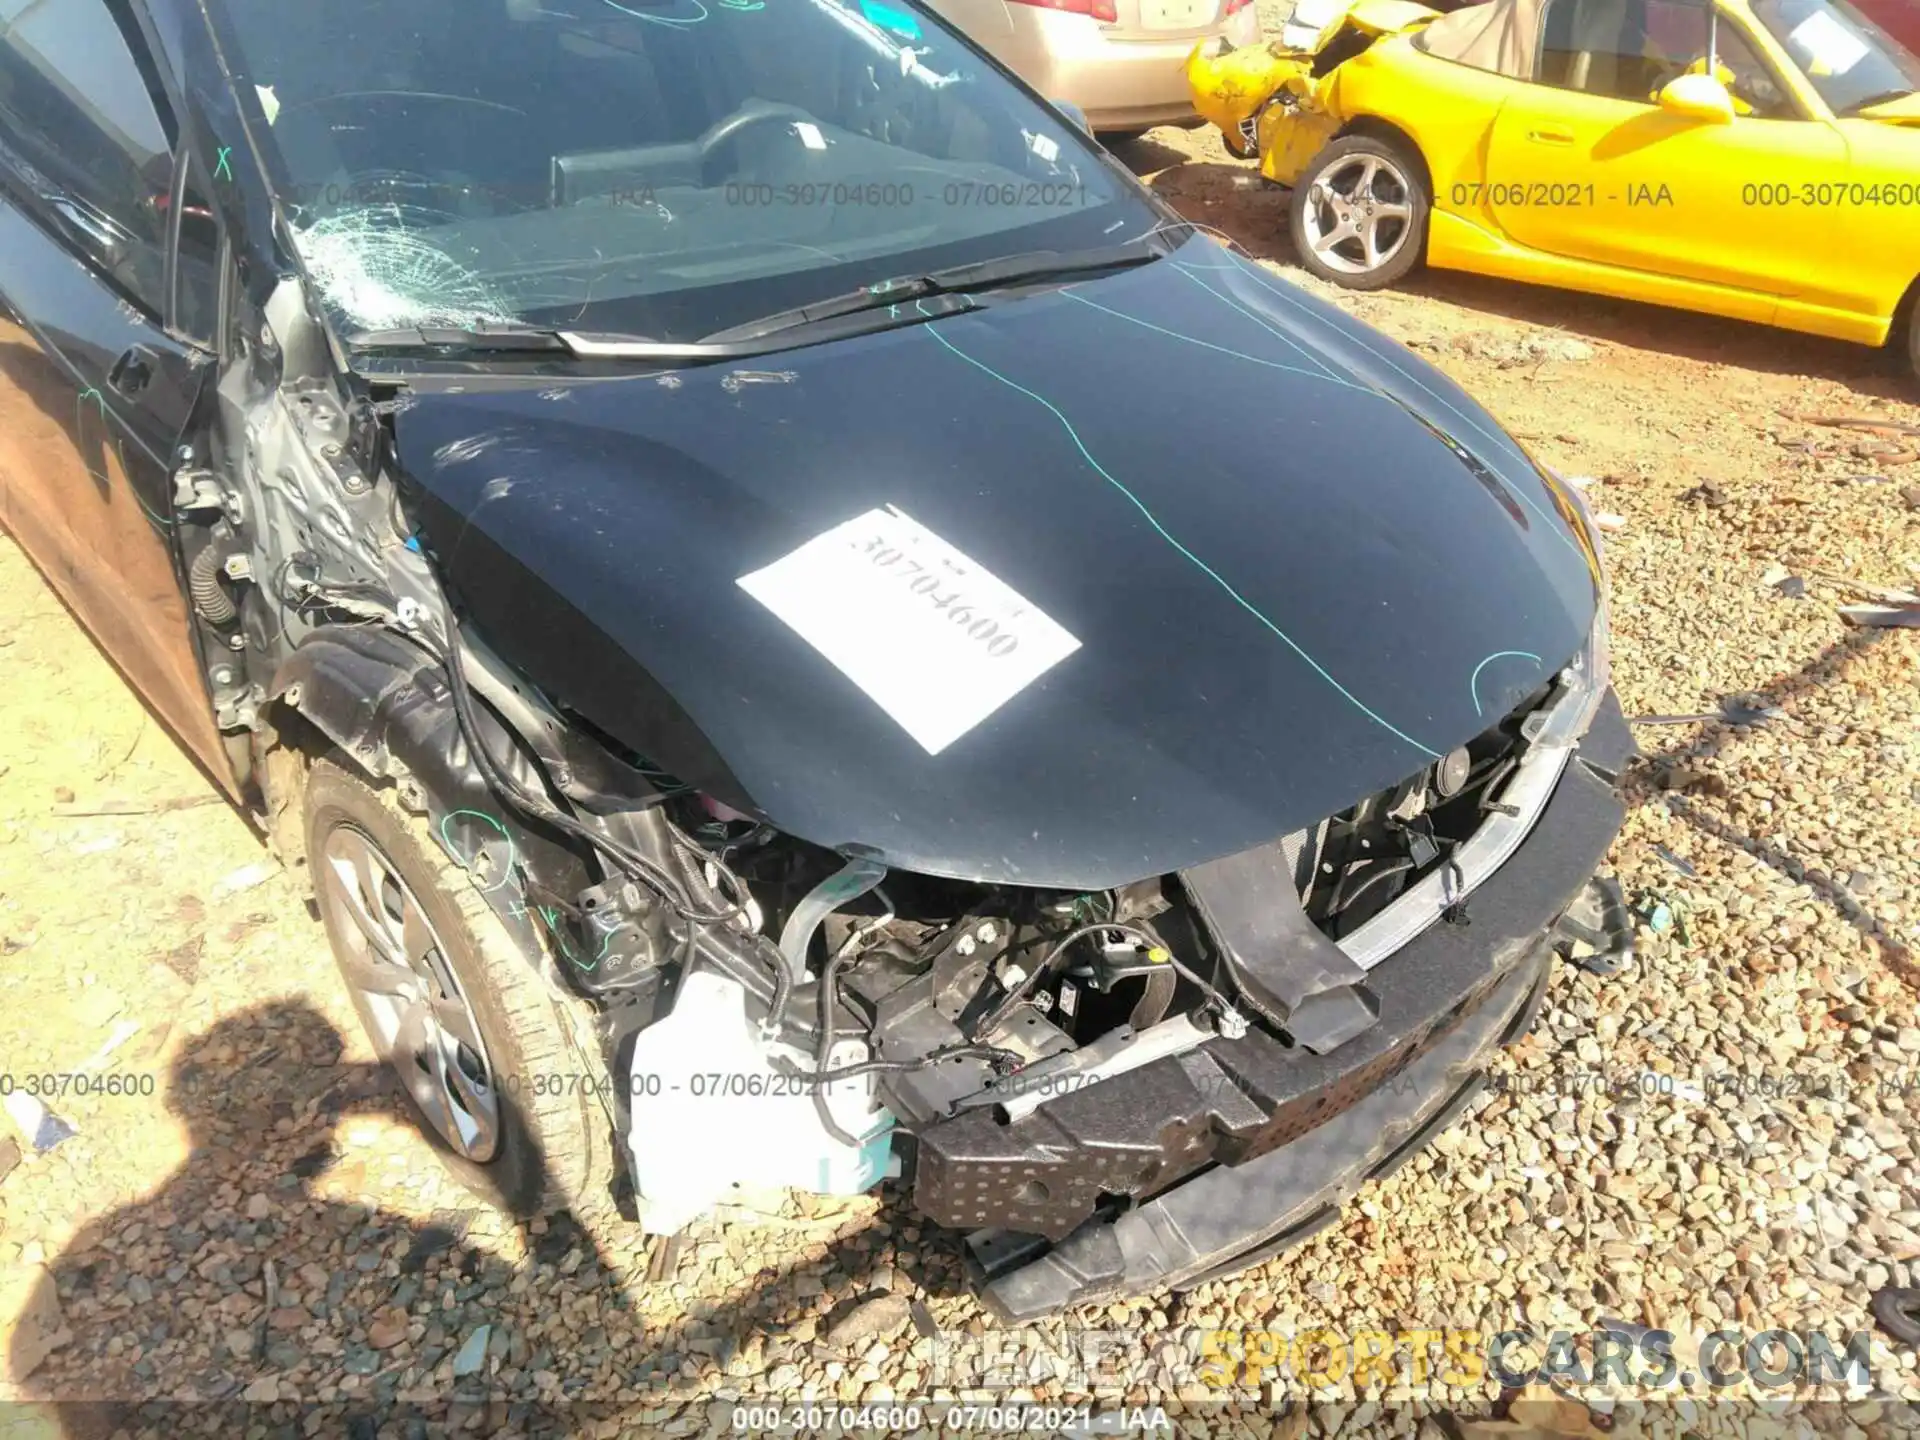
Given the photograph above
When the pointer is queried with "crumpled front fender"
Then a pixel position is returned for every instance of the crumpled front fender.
(1293, 129)
(1230, 88)
(1266, 102)
(1266, 99)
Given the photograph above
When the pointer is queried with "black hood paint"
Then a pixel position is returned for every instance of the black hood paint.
(1299, 561)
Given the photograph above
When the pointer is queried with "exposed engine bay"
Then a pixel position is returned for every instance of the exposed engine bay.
(927, 997)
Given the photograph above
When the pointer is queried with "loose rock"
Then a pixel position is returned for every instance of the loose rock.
(473, 1353)
(30, 1320)
(882, 1315)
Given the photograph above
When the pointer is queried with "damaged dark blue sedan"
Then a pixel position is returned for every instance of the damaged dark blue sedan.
(808, 630)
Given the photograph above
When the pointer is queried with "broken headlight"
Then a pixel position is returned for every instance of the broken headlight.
(1589, 673)
(1583, 685)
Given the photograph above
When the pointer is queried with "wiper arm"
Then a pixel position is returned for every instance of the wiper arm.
(490, 339)
(495, 339)
(953, 283)
(1897, 93)
(843, 318)
(952, 280)
(487, 337)
(1043, 264)
(868, 297)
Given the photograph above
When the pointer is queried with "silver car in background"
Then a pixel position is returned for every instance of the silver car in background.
(1120, 61)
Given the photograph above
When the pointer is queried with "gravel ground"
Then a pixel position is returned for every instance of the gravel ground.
(259, 1226)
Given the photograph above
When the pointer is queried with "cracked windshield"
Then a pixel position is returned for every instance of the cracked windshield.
(655, 169)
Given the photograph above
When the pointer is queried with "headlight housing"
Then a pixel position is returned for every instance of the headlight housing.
(1591, 671)
(1584, 681)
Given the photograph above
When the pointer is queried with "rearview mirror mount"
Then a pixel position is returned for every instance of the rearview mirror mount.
(1697, 97)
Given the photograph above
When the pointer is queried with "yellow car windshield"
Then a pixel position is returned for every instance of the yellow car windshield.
(1846, 57)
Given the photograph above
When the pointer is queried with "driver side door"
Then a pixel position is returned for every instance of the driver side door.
(100, 373)
(1585, 164)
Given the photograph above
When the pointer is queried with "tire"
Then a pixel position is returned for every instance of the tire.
(548, 1143)
(1913, 334)
(1328, 197)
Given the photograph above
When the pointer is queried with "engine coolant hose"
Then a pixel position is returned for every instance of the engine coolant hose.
(850, 883)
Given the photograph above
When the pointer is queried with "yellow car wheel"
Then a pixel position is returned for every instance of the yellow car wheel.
(1359, 212)
(1913, 333)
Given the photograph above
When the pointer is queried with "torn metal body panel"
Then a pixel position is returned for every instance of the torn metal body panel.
(1283, 102)
(764, 659)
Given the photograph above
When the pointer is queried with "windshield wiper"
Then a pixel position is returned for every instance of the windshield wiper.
(598, 345)
(947, 289)
(953, 280)
(1897, 93)
(483, 336)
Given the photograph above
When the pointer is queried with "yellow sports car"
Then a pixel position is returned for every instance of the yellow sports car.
(1752, 158)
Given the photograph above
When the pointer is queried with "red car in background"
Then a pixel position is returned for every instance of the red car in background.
(1899, 18)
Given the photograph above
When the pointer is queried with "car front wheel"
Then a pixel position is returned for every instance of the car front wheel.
(1359, 213)
(1913, 333)
(463, 1018)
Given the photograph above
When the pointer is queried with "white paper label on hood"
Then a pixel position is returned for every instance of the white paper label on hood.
(933, 639)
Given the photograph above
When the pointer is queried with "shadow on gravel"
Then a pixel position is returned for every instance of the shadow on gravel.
(185, 1313)
(1893, 950)
(223, 1302)
(1143, 153)
(1716, 736)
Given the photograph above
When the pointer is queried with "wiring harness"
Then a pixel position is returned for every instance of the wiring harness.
(682, 888)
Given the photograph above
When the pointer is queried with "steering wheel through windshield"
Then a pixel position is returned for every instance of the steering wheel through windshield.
(755, 112)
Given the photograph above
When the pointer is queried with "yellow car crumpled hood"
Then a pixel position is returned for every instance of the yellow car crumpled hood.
(1228, 88)
(1275, 82)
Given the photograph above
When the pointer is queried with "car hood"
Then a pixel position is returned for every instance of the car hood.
(1903, 111)
(1264, 560)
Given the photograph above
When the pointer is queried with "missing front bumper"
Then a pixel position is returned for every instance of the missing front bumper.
(1269, 1141)
(1236, 1216)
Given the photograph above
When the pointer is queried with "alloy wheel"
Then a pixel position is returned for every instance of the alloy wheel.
(1359, 213)
(420, 1021)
